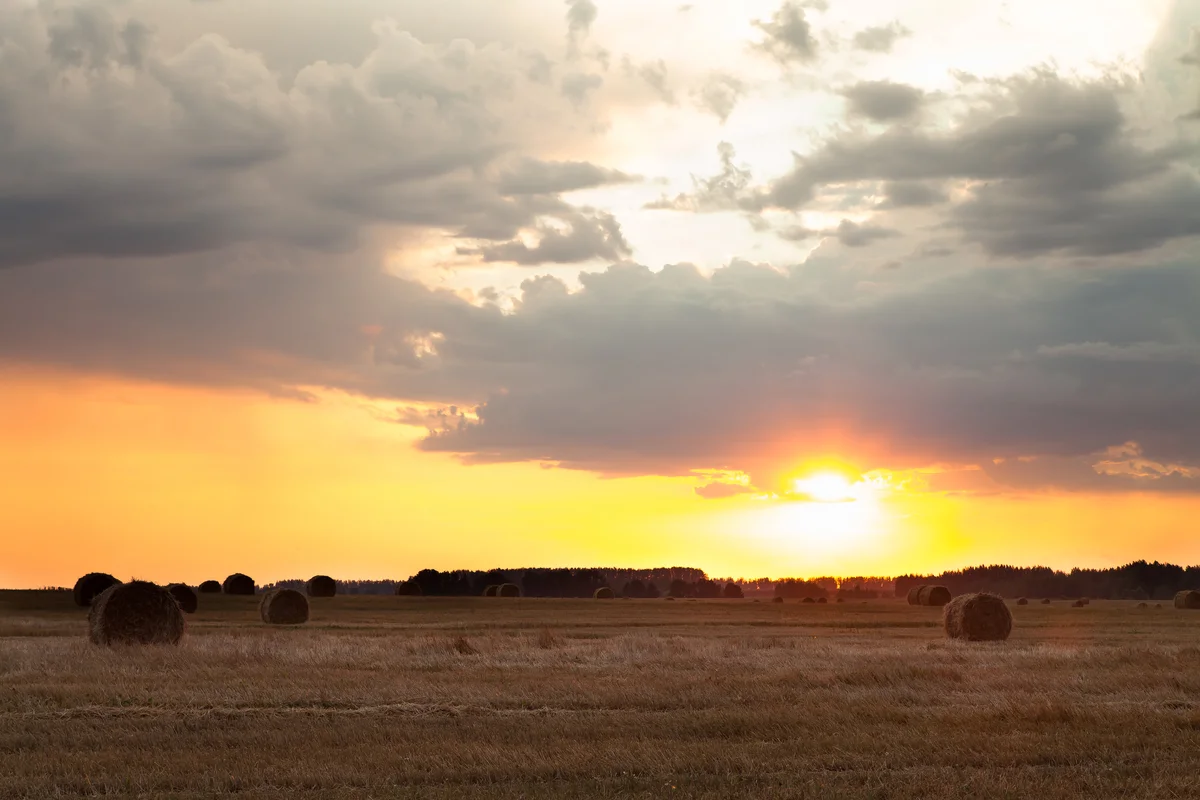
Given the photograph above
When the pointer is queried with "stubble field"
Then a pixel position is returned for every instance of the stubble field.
(504, 698)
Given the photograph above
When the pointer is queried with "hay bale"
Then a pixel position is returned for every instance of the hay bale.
(914, 595)
(508, 590)
(284, 607)
(981, 617)
(91, 585)
(1045, 601)
(1158, 605)
(934, 596)
(137, 612)
(409, 589)
(603, 593)
(776, 599)
(808, 600)
(822, 600)
(1021, 601)
(491, 590)
(1143, 605)
(237, 583)
(1085, 600)
(1078, 604)
(840, 600)
(321, 586)
(210, 587)
(1189, 598)
(185, 596)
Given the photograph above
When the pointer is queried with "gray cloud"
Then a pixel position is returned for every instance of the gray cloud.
(912, 194)
(585, 236)
(531, 176)
(1054, 166)
(880, 39)
(883, 101)
(204, 148)
(788, 36)
(664, 373)
(720, 94)
(852, 234)
(580, 16)
(728, 190)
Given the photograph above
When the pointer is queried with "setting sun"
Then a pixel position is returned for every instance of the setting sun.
(825, 487)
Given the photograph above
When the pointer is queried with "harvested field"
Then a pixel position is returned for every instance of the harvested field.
(408, 696)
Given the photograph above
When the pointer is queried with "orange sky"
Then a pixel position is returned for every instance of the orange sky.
(172, 484)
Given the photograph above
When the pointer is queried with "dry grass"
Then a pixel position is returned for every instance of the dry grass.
(445, 698)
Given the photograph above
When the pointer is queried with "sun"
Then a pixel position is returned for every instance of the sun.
(826, 487)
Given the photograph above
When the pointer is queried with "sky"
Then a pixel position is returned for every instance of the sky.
(768, 288)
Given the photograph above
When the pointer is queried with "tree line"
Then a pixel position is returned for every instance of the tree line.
(1138, 580)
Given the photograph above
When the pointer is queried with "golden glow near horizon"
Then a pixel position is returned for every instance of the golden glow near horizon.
(174, 483)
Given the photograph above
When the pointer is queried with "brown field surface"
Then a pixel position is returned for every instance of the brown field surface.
(504, 698)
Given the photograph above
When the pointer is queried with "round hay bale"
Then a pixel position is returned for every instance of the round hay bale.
(137, 612)
(492, 590)
(1078, 604)
(1143, 605)
(934, 596)
(1158, 605)
(1085, 600)
(914, 595)
(321, 586)
(91, 585)
(185, 596)
(1189, 598)
(776, 599)
(981, 617)
(1021, 601)
(603, 593)
(237, 583)
(210, 587)
(508, 590)
(409, 589)
(808, 600)
(670, 599)
(1045, 601)
(822, 600)
(840, 600)
(284, 607)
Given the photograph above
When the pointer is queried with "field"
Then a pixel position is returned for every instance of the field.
(504, 698)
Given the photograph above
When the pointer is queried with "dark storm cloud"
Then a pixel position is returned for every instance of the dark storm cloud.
(664, 373)
(883, 101)
(880, 39)
(787, 35)
(1057, 168)
(204, 148)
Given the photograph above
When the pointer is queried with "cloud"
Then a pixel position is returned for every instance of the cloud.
(667, 372)
(580, 16)
(720, 490)
(883, 101)
(1048, 165)
(880, 39)
(912, 194)
(728, 190)
(720, 94)
(580, 236)
(788, 36)
(531, 176)
(206, 147)
(852, 234)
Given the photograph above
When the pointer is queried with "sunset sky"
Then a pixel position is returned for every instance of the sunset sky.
(765, 288)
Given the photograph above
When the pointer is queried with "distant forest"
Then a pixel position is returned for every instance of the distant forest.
(1139, 580)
